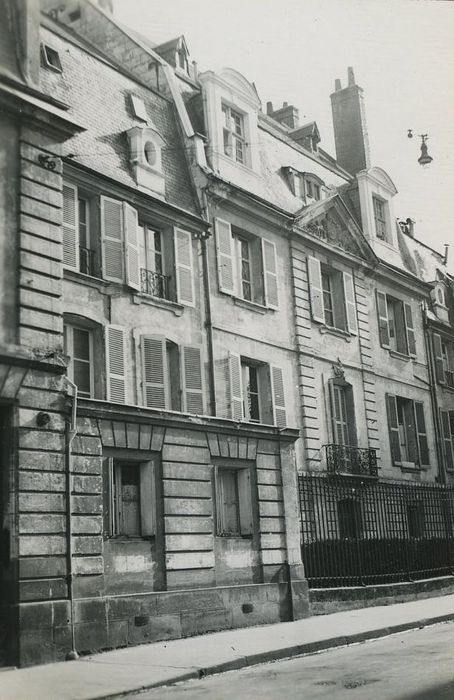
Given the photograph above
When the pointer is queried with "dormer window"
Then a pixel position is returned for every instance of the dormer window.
(381, 227)
(313, 186)
(234, 134)
(145, 144)
(50, 58)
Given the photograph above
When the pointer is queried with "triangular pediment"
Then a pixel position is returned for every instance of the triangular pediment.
(330, 222)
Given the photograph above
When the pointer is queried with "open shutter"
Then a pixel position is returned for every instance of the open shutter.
(383, 323)
(411, 341)
(115, 364)
(447, 439)
(154, 371)
(192, 379)
(108, 506)
(224, 250)
(350, 304)
(393, 428)
(270, 283)
(314, 272)
(423, 447)
(245, 501)
(438, 358)
(131, 233)
(147, 499)
(184, 267)
(112, 239)
(70, 227)
(236, 388)
(277, 387)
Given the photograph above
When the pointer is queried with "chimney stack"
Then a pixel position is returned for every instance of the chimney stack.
(350, 129)
(287, 114)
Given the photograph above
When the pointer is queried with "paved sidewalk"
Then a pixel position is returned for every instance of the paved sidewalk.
(113, 673)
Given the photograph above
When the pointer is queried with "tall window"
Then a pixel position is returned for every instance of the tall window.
(78, 248)
(396, 327)
(234, 134)
(444, 360)
(153, 280)
(407, 431)
(233, 501)
(78, 344)
(129, 497)
(380, 218)
(244, 268)
(327, 298)
(126, 497)
(257, 392)
(332, 296)
(251, 396)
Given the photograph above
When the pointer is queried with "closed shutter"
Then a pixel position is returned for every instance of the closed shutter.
(245, 501)
(423, 447)
(236, 390)
(393, 428)
(70, 227)
(224, 250)
(438, 358)
(192, 379)
(314, 272)
(350, 304)
(112, 239)
(411, 341)
(278, 393)
(154, 371)
(339, 414)
(383, 325)
(131, 233)
(115, 364)
(147, 499)
(184, 270)
(270, 282)
(447, 439)
(108, 507)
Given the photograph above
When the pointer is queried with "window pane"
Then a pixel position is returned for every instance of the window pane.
(82, 376)
(81, 342)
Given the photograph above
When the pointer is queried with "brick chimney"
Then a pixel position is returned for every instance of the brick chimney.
(287, 114)
(350, 129)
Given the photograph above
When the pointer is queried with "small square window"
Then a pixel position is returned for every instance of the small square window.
(51, 58)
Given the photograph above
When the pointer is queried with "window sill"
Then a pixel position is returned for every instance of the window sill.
(399, 355)
(337, 332)
(87, 280)
(251, 305)
(172, 306)
(123, 539)
(235, 537)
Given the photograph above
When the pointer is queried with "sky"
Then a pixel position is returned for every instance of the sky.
(402, 52)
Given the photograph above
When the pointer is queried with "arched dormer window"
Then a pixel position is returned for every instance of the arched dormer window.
(145, 146)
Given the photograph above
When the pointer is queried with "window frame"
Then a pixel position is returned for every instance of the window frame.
(231, 138)
(380, 218)
(150, 482)
(69, 338)
(48, 54)
(245, 488)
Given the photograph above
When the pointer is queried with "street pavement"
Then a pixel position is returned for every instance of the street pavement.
(415, 665)
(115, 673)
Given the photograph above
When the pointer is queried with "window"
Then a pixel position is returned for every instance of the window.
(257, 393)
(172, 375)
(407, 432)
(381, 228)
(342, 413)
(234, 134)
(444, 360)
(313, 186)
(129, 497)
(395, 322)
(50, 58)
(415, 519)
(233, 501)
(349, 517)
(447, 429)
(153, 280)
(332, 296)
(247, 265)
(79, 250)
(78, 344)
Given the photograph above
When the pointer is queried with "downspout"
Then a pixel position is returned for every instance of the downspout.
(434, 401)
(208, 315)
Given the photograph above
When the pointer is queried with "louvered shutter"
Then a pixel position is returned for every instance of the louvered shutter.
(447, 439)
(411, 340)
(131, 234)
(225, 257)
(278, 392)
(112, 239)
(423, 447)
(270, 283)
(192, 379)
(70, 227)
(393, 428)
(314, 272)
(115, 364)
(245, 501)
(147, 499)
(438, 358)
(338, 414)
(350, 304)
(108, 508)
(236, 388)
(383, 323)
(184, 267)
(154, 371)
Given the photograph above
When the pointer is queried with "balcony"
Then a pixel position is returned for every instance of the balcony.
(355, 461)
(449, 378)
(154, 284)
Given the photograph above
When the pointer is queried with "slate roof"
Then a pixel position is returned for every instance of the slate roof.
(98, 97)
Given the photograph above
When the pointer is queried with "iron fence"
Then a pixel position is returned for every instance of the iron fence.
(361, 532)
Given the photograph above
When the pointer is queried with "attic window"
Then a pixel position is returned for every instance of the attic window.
(51, 58)
(138, 107)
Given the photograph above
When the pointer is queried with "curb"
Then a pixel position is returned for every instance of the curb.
(241, 662)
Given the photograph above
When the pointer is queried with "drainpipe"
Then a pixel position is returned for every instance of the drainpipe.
(433, 396)
(208, 315)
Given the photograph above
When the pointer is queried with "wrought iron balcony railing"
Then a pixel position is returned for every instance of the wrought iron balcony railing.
(344, 459)
(86, 258)
(154, 284)
(449, 377)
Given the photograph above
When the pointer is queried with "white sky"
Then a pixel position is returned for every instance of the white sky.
(402, 52)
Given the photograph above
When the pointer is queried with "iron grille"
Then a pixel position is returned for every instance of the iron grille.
(86, 260)
(154, 284)
(343, 459)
